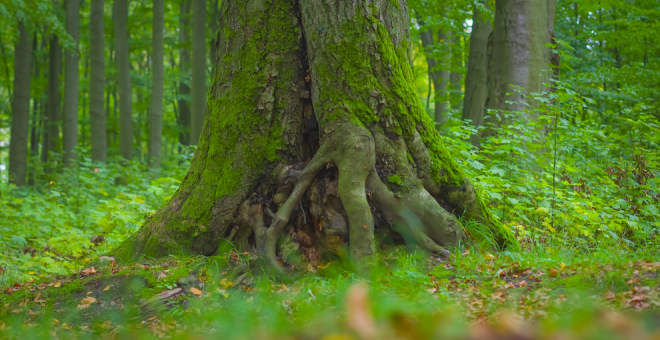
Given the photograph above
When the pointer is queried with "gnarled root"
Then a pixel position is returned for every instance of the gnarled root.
(417, 216)
(300, 181)
(414, 213)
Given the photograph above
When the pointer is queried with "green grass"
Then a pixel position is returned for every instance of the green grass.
(411, 296)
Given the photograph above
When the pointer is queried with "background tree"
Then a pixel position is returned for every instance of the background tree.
(18, 147)
(476, 80)
(184, 73)
(198, 68)
(52, 133)
(520, 59)
(97, 82)
(120, 18)
(71, 83)
(156, 121)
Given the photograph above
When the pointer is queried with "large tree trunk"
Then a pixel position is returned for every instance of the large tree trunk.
(198, 68)
(156, 112)
(519, 52)
(71, 83)
(20, 107)
(184, 68)
(97, 82)
(120, 18)
(476, 79)
(314, 130)
(52, 133)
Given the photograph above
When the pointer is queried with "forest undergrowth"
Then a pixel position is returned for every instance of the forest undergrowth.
(578, 186)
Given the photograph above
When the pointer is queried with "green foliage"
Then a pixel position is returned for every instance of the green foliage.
(56, 227)
(565, 174)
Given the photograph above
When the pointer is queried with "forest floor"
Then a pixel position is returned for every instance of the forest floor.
(604, 293)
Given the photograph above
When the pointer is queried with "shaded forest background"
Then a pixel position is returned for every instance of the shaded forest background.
(116, 94)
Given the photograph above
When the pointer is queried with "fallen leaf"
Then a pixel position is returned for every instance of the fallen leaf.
(553, 272)
(89, 271)
(466, 252)
(86, 302)
(196, 291)
(489, 257)
(358, 312)
(107, 288)
(65, 326)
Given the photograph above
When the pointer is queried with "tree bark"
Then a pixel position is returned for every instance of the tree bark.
(519, 52)
(20, 107)
(314, 133)
(71, 84)
(476, 79)
(52, 133)
(97, 117)
(120, 18)
(156, 112)
(184, 69)
(198, 68)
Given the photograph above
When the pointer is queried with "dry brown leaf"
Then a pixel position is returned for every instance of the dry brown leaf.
(196, 291)
(84, 303)
(358, 315)
(57, 284)
(107, 288)
(466, 252)
(553, 272)
(89, 271)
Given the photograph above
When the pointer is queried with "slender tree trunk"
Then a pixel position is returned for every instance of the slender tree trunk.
(51, 140)
(120, 18)
(441, 81)
(519, 52)
(198, 68)
(476, 79)
(20, 108)
(553, 59)
(314, 134)
(36, 112)
(184, 72)
(156, 118)
(455, 76)
(97, 117)
(71, 84)
(214, 29)
(438, 73)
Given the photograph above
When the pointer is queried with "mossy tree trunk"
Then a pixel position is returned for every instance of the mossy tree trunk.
(314, 136)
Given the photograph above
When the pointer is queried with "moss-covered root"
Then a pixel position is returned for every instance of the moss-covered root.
(467, 201)
(301, 181)
(417, 216)
(355, 158)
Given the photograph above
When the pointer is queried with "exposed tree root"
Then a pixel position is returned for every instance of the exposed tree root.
(300, 181)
